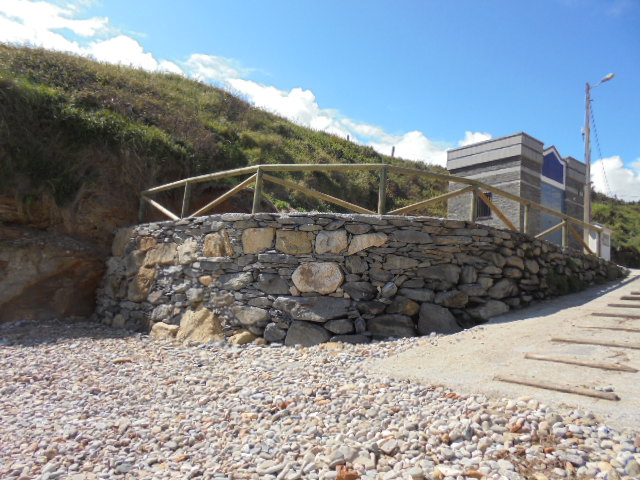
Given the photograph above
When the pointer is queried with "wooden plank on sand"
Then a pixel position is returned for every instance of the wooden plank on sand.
(623, 305)
(532, 382)
(616, 315)
(581, 363)
(620, 329)
(595, 341)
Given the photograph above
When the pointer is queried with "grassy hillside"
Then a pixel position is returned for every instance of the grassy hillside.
(67, 122)
(624, 219)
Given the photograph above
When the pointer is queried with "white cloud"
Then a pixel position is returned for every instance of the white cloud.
(474, 137)
(44, 24)
(611, 177)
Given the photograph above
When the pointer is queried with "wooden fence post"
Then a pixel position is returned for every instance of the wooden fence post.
(143, 209)
(565, 234)
(527, 218)
(185, 200)
(474, 205)
(382, 191)
(257, 192)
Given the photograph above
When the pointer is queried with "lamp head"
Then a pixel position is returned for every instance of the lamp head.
(608, 77)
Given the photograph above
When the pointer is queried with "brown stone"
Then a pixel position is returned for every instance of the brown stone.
(141, 284)
(331, 242)
(120, 241)
(367, 240)
(217, 245)
(164, 331)
(147, 243)
(200, 325)
(293, 242)
(256, 240)
(321, 277)
(164, 254)
(206, 280)
(241, 338)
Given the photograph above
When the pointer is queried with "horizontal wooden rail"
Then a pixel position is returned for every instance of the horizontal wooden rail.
(474, 187)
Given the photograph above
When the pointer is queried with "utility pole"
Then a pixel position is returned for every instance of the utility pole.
(587, 153)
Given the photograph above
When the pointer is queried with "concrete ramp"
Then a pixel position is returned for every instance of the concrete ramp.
(580, 351)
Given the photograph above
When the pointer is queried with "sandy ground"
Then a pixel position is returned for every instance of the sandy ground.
(468, 362)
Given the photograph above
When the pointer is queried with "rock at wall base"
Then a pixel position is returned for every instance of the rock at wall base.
(164, 331)
(200, 325)
(242, 338)
(313, 309)
(384, 326)
(490, 309)
(306, 334)
(352, 339)
(434, 318)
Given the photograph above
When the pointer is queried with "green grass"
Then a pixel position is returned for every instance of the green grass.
(59, 113)
(624, 219)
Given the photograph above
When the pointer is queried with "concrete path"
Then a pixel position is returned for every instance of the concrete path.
(470, 361)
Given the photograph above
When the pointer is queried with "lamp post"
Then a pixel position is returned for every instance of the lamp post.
(587, 153)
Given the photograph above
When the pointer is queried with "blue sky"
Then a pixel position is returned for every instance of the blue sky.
(422, 76)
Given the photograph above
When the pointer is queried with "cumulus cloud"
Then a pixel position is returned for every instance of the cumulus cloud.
(611, 177)
(474, 137)
(45, 24)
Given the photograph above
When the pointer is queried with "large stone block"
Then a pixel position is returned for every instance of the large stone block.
(434, 318)
(356, 264)
(411, 236)
(141, 284)
(503, 288)
(306, 334)
(235, 281)
(293, 242)
(403, 305)
(417, 294)
(313, 309)
(384, 326)
(490, 309)
(272, 284)
(187, 252)
(200, 325)
(399, 262)
(163, 254)
(251, 316)
(367, 240)
(452, 299)
(444, 275)
(164, 331)
(360, 290)
(120, 241)
(339, 326)
(217, 245)
(322, 277)
(256, 240)
(331, 241)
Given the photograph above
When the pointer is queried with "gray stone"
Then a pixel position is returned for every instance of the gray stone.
(514, 261)
(362, 242)
(273, 333)
(356, 264)
(417, 294)
(434, 318)
(235, 281)
(410, 236)
(272, 284)
(532, 266)
(495, 258)
(277, 258)
(468, 274)
(251, 316)
(503, 288)
(403, 305)
(473, 290)
(512, 272)
(339, 326)
(445, 272)
(195, 295)
(313, 309)
(488, 310)
(358, 229)
(306, 334)
(161, 313)
(360, 290)
(384, 326)
(353, 339)
(371, 308)
(398, 262)
(334, 225)
(452, 299)
(378, 275)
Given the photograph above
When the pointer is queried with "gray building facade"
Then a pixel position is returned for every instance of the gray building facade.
(521, 165)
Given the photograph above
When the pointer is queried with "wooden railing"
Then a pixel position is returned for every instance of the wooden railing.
(258, 175)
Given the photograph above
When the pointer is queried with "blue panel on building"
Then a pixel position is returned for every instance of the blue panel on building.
(552, 197)
(553, 168)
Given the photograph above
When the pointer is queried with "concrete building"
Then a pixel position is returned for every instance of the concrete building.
(521, 165)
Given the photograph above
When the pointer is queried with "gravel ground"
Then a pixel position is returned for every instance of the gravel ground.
(83, 401)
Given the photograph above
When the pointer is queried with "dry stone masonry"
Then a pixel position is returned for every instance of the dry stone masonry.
(309, 278)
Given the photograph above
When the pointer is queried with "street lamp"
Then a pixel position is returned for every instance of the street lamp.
(587, 153)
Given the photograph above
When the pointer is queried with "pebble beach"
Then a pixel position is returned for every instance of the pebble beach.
(84, 401)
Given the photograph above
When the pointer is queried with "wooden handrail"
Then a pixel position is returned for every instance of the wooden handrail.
(383, 170)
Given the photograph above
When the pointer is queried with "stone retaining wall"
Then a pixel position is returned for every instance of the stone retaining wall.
(308, 278)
